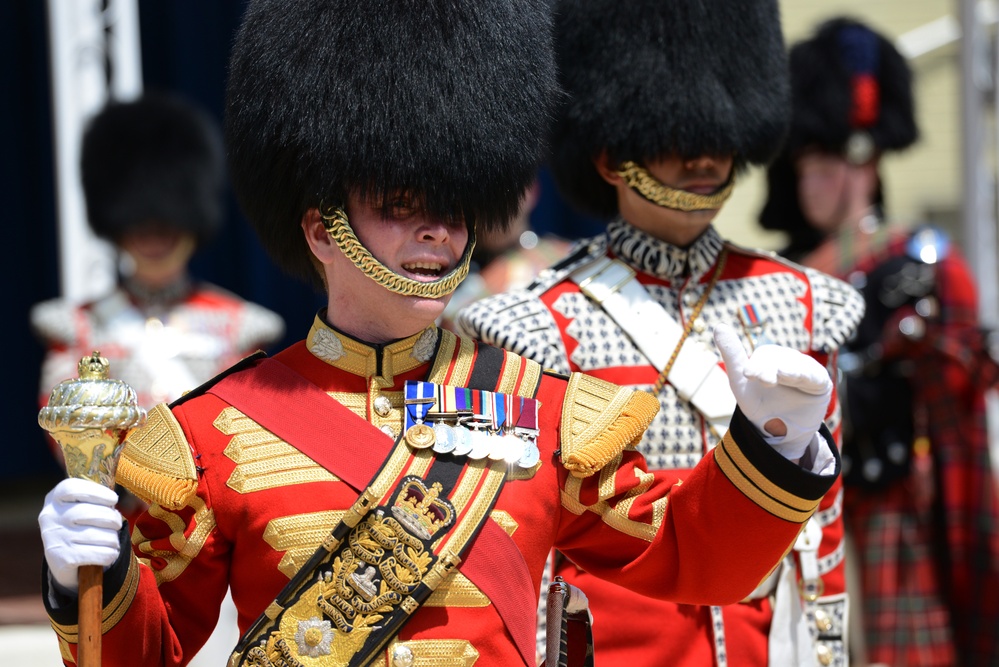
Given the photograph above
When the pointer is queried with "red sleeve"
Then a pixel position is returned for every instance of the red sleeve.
(673, 537)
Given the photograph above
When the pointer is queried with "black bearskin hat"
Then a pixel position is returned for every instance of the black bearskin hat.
(448, 100)
(646, 79)
(156, 159)
(847, 82)
(846, 79)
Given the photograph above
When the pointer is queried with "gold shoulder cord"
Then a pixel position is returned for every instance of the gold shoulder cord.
(157, 464)
(337, 226)
(599, 421)
(644, 183)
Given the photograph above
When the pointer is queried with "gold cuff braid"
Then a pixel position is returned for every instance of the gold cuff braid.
(337, 226)
(648, 186)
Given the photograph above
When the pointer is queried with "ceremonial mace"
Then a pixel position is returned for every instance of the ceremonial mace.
(89, 417)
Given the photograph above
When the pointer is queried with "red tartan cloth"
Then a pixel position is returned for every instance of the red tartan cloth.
(906, 621)
(930, 562)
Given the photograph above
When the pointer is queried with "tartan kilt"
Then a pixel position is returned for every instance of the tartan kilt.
(906, 621)
(929, 543)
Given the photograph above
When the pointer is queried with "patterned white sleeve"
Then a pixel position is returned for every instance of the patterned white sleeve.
(53, 321)
(837, 310)
(519, 322)
(259, 327)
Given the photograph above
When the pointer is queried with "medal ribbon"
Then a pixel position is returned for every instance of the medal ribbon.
(445, 399)
(528, 418)
(463, 399)
(476, 401)
(487, 409)
(420, 398)
(513, 415)
(499, 413)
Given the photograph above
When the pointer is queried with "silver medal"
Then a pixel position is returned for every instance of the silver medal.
(513, 448)
(462, 441)
(446, 439)
(480, 444)
(497, 447)
(531, 455)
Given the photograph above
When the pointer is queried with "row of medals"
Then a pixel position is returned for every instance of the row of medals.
(516, 447)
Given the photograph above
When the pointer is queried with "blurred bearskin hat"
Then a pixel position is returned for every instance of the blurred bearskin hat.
(158, 159)
(447, 100)
(647, 78)
(851, 93)
(850, 79)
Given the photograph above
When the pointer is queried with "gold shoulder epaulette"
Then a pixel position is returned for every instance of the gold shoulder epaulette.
(599, 420)
(157, 464)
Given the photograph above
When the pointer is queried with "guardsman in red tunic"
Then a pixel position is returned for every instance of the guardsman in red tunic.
(657, 125)
(920, 493)
(385, 492)
(153, 177)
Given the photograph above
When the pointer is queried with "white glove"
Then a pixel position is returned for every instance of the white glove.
(79, 526)
(783, 392)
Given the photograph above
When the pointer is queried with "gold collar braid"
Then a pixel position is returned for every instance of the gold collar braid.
(648, 186)
(337, 226)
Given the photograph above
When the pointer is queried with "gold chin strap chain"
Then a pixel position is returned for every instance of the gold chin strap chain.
(661, 380)
(335, 222)
(648, 186)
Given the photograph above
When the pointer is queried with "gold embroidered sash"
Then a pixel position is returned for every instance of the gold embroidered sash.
(402, 537)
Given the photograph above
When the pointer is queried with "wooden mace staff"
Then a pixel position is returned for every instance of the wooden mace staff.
(89, 417)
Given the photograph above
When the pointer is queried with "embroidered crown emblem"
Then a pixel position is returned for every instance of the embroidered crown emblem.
(420, 509)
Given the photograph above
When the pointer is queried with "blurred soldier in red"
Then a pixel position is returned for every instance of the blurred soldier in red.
(920, 495)
(659, 123)
(153, 176)
(153, 181)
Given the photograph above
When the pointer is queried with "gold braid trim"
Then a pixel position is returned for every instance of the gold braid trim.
(757, 487)
(432, 653)
(153, 487)
(337, 226)
(157, 464)
(648, 186)
(599, 421)
(110, 614)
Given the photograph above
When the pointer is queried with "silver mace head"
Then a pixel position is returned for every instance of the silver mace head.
(89, 417)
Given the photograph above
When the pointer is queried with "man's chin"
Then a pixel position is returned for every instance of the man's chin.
(425, 307)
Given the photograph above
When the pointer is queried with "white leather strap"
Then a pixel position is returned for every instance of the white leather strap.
(789, 642)
(695, 374)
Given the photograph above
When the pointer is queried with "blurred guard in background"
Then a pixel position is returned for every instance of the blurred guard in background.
(920, 496)
(660, 120)
(153, 180)
(153, 174)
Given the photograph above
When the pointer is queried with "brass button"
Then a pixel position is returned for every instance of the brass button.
(383, 406)
(699, 326)
(822, 620)
(824, 654)
(387, 430)
(689, 298)
(402, 656)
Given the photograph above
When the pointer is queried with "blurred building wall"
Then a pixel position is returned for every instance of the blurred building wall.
(921, 184)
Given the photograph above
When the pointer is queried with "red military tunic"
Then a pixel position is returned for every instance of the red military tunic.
(235, 506)
(929, 572)
(161, 343)
(767, 300)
